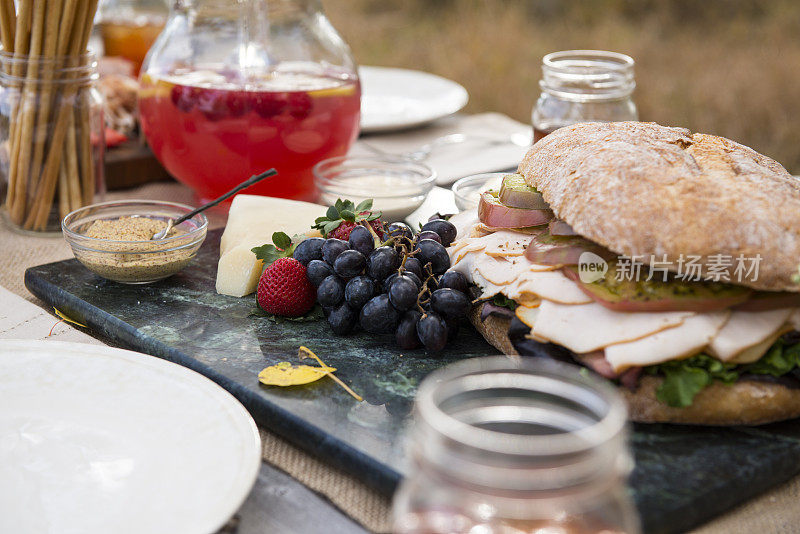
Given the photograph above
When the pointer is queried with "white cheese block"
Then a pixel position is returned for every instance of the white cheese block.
(251, 222)
(745, 329)
(683, 340)
(238, 272)
(587, 327)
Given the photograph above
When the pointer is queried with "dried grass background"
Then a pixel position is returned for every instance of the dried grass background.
(727, 67)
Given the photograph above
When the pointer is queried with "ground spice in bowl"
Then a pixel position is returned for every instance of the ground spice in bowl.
(129, 256)
(128, 229)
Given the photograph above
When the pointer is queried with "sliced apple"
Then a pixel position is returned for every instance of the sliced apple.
(516, 193)
(493, 213)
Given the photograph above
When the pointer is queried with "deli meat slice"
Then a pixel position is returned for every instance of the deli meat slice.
(745, 329)
(587, 327)
(686, 339)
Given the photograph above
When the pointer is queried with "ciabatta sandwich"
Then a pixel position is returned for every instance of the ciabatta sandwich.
(663, 260)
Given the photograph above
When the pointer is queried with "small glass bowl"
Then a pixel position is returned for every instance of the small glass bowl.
(468, 190)
(397, 186)
(134, 262)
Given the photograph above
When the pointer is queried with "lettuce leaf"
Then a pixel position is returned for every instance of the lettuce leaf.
(684, 379)
(779, 360)
(501, 300)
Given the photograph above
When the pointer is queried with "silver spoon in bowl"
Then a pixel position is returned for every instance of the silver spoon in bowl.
(161, 234)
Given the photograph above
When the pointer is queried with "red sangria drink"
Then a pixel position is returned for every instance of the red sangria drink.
(211, 131)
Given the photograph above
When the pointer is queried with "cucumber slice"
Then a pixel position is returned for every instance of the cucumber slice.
(659, 296)
(515, 193)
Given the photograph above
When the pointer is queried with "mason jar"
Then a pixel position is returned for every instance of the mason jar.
(502, 446)
(52, 139)
(582, 86)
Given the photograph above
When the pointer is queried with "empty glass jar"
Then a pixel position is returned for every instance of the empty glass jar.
(584, 85)
(516, 446)
(51, 138)
(234, 87)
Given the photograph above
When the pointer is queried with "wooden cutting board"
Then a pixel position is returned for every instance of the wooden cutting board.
(132, 164)
(684, 475)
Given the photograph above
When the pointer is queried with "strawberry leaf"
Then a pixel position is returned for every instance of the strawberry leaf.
(365, 205)
(345, 210)
(283, 247)
(268, 253)
(281, 240)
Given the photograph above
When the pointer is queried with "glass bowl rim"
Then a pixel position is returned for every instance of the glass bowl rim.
(461, 182)
(196, 234)
(324, 183)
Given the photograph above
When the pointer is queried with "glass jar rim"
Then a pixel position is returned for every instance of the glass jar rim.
(84, 70)
(588, 75)
(521, 426)
(611, 424)
(611, 60)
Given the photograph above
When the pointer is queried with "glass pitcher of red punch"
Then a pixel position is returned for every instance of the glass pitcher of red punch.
(233, 87)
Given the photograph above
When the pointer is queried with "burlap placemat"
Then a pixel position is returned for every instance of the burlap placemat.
(774, 512)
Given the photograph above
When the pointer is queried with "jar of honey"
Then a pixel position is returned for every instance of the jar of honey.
(583, 86)
(516, 446)
(130, 27)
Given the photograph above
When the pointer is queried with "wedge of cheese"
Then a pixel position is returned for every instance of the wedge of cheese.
(587, 327)
(684, 340)
(745, 329)
(251, 222)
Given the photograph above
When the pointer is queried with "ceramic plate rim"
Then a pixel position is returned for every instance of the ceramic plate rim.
(251, 439)
(390, 126)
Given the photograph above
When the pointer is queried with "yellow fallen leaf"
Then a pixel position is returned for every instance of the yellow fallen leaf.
(67, 319)
(286, 374)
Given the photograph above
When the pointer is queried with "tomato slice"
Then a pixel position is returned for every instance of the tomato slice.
(658, 296)
(770, 300)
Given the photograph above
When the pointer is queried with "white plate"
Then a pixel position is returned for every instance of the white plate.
(95, 439)
(395, 99)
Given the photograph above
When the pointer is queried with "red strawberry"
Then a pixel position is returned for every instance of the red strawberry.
(285, 290)
(343, 230)
(342, 217)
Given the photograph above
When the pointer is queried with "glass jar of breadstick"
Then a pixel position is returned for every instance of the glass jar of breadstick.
(51, 117)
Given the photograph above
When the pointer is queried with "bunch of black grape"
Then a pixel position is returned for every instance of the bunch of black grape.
(392, 283)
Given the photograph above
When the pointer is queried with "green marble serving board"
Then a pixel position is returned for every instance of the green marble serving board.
(683, 476)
